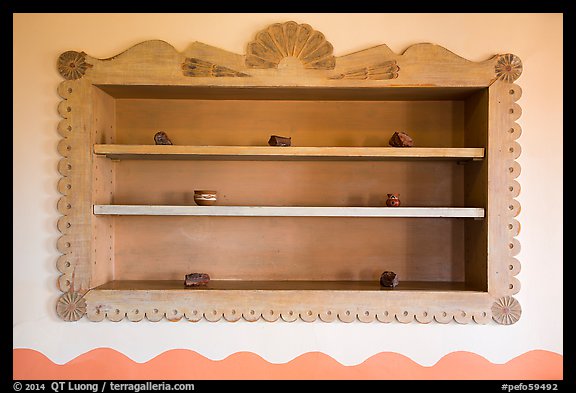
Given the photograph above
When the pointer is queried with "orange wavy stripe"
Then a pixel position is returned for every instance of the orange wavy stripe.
(109, 364)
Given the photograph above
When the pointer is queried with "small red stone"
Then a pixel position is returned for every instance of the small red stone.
(401, 139)
(196, 279)
(389, 279)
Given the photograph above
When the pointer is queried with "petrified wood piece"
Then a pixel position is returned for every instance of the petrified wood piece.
(196, 279)
(205, 197)
(160, 138)
(389, 279)
(276, 140)
(401, 139)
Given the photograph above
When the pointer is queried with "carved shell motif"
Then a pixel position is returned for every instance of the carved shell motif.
(290, 39)
(506, 310)
(71, 306)
(508, 68)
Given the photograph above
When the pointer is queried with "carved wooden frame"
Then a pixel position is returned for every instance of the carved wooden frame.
(270, 62)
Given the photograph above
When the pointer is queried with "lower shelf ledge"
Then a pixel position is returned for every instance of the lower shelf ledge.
(346, 301)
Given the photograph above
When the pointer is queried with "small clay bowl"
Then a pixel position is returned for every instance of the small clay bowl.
(393, 200)
(205, 197)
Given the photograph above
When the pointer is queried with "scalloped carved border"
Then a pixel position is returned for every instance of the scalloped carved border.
(513, 150)
(504, 207)
(66, 222)
(288, 306)
(117, 313)
(74, 206)
(512, 189)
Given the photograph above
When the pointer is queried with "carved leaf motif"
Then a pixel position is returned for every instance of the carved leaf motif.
(508, 68)
(302, 33)
(279, 39)
(71, 306)
(290, 39)
(291, 28)
(72, 64)
(386, 70)
(198, 68)
(506, 310)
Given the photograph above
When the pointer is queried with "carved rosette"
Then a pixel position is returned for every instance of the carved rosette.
(71, 306)
(72, 64)
(202, 68)
(290, 39)
(506, 310)
(508, 68)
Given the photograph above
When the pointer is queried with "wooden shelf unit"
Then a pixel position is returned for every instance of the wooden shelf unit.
(287, 239)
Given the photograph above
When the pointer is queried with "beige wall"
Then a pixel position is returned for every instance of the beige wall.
(40, 38)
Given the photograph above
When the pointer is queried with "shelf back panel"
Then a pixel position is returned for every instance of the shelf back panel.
(291, 183)
(289, 248)
(308, 123)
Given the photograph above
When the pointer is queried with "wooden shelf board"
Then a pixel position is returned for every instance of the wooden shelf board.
(288, 211)
(288, 285)
(175, 152)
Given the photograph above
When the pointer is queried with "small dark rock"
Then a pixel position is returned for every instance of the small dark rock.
(389, 279)
(160, 138)
(196, 279)
(276, 140)
(401, 139)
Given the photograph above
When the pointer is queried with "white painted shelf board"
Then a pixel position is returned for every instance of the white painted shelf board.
(288, 211)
